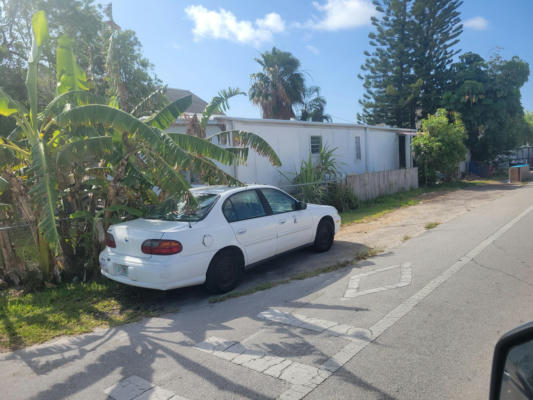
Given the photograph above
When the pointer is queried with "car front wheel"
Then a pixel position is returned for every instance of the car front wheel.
(324, 236)
(225, 271)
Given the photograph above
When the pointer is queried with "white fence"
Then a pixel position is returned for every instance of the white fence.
(370, 185)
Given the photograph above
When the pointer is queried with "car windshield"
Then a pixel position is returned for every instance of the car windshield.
(184, 211)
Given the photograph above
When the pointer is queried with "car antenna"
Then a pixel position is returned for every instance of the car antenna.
(190, 226)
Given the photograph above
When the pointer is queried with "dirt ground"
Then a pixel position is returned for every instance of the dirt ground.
(391, 229)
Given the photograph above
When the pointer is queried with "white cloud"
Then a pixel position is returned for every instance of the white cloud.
(476, 23)
(342, 14)
(312, 49)
(223, 24)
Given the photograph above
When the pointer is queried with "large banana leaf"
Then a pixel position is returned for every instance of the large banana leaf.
(44, 193)
(219, 104)
(157, 141)
(73, 98)
(169, 179)
(69, 75)
(9, 145)
(196, 145)
(9, 106)
(158, 91)
(208, 168)
(3, 185)
(241, 153)
(89, 149)
(253, 141)
(168, 115)
(40, 35)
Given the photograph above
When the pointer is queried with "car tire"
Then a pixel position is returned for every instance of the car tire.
(325, 234)
(225, 271)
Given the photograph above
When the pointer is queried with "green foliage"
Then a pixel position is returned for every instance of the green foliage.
(439, 147)
(313, 107)
(487, 95)
(89, 30)
(218, 104)
(70, 77)
(406, 72)
(279, 86)
(341, 196)
(317, 182)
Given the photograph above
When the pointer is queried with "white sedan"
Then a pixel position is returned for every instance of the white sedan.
(231, 229)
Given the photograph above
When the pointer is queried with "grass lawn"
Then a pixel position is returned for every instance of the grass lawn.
(69, 309)
(375, 208)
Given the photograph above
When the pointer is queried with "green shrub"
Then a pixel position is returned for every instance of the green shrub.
(439, 147)
(341, 197)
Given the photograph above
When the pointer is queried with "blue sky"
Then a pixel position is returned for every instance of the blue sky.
(208, 45)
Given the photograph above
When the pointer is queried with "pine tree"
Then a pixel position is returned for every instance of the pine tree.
(406, 74)
(435, 32)
(391, 88)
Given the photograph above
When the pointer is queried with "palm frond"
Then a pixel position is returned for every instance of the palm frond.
(219, 104)
(168, 115)
(253, 141)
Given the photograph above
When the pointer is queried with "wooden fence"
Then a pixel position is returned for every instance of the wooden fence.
(374, 184)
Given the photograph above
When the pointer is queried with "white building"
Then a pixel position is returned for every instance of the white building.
(359, 148)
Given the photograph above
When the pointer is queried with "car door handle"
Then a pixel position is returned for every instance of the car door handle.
(281, 222)
(241, 231)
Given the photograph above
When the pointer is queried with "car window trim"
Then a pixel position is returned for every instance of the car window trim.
(266, 210)
(281, 191)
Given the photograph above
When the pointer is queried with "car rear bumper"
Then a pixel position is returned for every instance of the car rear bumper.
(154, 273)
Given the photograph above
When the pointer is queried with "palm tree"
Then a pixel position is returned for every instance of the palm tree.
(313, 106)
(279, 86)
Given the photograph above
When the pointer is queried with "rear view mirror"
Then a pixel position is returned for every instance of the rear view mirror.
(300, 205)
(512, 366)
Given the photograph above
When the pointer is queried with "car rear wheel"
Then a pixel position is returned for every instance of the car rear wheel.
(324, 236)
(225, 271)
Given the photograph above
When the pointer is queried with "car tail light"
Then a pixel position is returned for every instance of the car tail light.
(110, 240)
(161, 247)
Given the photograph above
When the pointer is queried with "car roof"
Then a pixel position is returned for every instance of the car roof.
(221, 189)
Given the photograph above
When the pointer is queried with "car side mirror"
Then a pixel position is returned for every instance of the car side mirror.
(512, 366)
(300, 205)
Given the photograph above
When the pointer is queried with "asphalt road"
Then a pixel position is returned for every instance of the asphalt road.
(419, 322)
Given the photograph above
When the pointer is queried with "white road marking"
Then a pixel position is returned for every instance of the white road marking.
(314, 324)
(352, 349)
(136, 388)
(305, 378)
(353, 283)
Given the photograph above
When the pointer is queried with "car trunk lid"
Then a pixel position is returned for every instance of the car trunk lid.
(129, 236)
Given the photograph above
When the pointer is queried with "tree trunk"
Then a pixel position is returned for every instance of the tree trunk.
(13, 269)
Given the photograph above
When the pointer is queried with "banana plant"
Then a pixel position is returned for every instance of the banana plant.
(29, 149)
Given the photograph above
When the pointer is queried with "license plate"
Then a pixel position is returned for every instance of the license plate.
(122, 270)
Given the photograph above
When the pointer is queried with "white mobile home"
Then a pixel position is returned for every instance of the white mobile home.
(359, 148)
